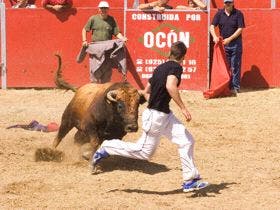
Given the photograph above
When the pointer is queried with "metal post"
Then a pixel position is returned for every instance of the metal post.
(124, 29)
(3, 45)
(135, 4)
(273, 4)
(124, 17)
(208, 46)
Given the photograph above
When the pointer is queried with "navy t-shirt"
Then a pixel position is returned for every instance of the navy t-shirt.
(159, 97)
(229, 24)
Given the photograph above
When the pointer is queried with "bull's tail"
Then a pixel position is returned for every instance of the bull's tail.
(58, 79)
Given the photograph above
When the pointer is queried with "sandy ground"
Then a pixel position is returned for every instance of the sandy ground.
(237, 151)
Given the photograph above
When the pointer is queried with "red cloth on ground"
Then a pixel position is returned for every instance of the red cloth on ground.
(52, 127)
(34, 125)
(220, 74)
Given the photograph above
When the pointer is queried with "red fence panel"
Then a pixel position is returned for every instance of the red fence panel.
(257, 49)
(151, 34)
(33, 40)
(260, 60)
(275, 73)
(34, 36)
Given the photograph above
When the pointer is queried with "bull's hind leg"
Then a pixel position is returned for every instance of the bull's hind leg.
(64, 128)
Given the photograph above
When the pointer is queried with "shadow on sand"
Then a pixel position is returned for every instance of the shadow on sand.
(120, 163)
(209, 191)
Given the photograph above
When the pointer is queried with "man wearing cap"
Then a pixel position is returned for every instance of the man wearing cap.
(103, 27)
(231, 23)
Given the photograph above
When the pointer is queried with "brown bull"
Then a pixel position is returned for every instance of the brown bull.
(99, 112)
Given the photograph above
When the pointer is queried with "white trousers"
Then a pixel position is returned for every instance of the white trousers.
(156, 124)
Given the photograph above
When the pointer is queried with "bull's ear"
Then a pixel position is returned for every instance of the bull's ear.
(142, 99)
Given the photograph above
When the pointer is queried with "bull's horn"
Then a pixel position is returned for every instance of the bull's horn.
(111, 95)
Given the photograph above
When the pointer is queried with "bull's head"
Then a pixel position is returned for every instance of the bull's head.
(125, 101)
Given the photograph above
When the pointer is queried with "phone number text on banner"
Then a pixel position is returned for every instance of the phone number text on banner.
(150, 35)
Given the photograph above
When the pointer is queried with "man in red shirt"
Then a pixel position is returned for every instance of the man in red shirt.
(57, 5)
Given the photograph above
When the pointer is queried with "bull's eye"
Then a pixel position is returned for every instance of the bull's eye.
(120, 107)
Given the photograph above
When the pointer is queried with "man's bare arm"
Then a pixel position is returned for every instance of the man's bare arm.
(146, 92)
(171, 86)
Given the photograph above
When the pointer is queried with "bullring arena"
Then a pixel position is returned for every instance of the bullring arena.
(236, 150)
(237, 138)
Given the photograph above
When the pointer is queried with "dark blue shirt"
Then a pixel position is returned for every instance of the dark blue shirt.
(229, 24)
(159, 97)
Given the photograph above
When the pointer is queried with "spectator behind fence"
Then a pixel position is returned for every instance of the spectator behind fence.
(57, 5)
(159, 5)
(103, 27)
(231, 23)
(194, 5)
(23, 3)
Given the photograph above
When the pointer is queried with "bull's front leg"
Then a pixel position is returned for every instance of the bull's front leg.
(88, 149)
(88, 134)
(95, 143)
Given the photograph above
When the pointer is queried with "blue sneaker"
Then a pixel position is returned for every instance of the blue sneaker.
(195, 184)
(98, 156)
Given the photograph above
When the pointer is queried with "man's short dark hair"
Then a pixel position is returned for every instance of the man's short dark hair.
(178, 50)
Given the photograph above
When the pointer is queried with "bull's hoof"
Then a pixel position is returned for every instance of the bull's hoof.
(96, 170)
(87, 155)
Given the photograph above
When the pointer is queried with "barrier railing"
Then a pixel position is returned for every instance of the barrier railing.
(273, 4)
(3, 63)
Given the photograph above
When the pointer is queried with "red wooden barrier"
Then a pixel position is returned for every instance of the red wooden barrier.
(258, 52)
(34, 36)
(261, 51)
(150, 39)
(33, 40)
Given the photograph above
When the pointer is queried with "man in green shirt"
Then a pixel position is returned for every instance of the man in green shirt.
(103, 27)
